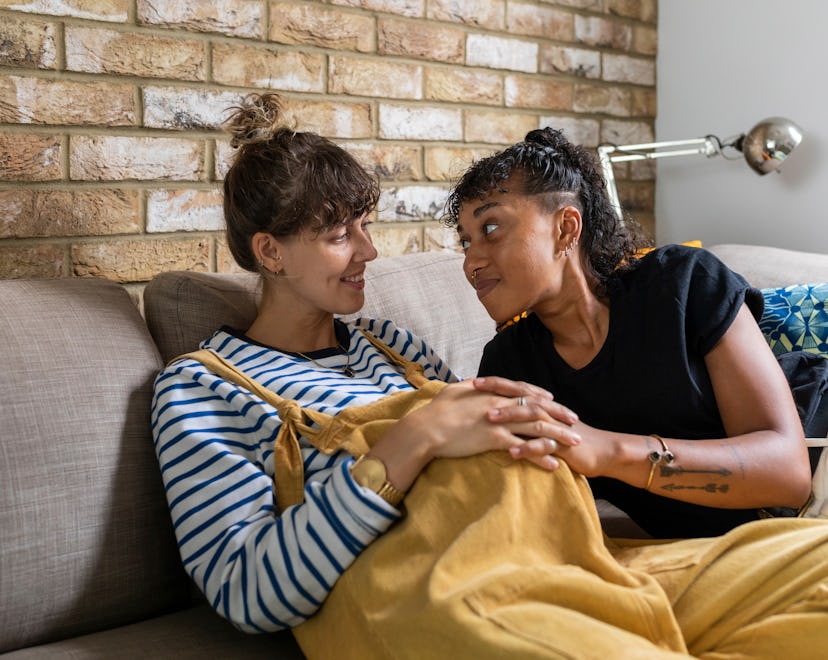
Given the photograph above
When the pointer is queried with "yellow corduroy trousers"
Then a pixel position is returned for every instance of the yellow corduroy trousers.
(497, 558)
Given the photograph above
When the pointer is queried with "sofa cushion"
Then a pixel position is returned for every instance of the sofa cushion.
(796, 318)
(424, 292)
(428, 293)
(766, 267)
(86, 536)
(193, 634)
(184, 308)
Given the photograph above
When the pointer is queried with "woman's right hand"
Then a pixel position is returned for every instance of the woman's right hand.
(456, 423)
(459, 422)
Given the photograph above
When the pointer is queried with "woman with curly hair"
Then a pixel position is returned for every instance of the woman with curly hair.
(686, 419)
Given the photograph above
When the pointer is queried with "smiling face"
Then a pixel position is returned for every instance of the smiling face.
(323, 273)
(512, 245)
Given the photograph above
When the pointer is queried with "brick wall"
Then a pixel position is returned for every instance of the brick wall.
(111, 153)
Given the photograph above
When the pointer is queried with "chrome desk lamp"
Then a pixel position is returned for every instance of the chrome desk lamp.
(765, 147)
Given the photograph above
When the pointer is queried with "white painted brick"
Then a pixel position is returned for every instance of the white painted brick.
(643, 170)
(626, 132)
(411, 203)
(449, 163)
(27, 43)
(581, 4)
(571, 61)
(441, 239)
(331, 119)
(419, 123)
(498, 127)
(387, 160)
(114, 11)
(601, 32)
(258, 67)
(611, 100)
(184, 210)
(240, 19)
(532, 92)
(95, 50)
(170, 107)
(500, 53)
(635, 70)
(364, 77)
(394, 239)
(109, 158)
(401, 7)
(577, 131)
(483, 13)
(42, 101)
(547, 23)
(224, 158)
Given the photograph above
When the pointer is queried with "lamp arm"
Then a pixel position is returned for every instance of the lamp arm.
(765, 147)
(610, 153)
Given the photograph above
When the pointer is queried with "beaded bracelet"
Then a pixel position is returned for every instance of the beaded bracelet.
(655, 457)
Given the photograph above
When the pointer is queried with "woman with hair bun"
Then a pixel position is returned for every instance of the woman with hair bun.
(266, 520)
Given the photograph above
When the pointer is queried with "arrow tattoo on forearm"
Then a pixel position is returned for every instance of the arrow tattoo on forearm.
(670, 470)
(710, 488)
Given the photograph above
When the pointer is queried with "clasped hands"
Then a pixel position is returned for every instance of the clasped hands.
(495, 413)
(530, 413)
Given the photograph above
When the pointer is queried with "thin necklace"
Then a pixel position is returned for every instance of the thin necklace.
(346, 369)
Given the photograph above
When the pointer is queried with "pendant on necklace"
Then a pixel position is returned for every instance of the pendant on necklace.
(348, 371)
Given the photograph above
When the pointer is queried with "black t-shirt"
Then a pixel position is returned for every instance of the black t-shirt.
(665, 315)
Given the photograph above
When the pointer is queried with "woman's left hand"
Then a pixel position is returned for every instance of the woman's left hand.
(532, 407)
(591, 456)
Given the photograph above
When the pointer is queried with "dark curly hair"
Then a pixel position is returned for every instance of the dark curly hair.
(282, 181)
(546, 163)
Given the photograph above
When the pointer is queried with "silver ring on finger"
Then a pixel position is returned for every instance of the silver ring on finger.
(551, 445)
(521, 400)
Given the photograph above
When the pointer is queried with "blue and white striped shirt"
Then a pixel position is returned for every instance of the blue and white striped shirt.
(262, 569)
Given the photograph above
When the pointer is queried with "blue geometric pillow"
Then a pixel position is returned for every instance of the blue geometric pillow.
(796, 318)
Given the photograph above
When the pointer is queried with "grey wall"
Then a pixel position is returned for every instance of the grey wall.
(723, 65)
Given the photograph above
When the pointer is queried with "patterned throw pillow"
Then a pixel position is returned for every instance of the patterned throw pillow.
(796, 319)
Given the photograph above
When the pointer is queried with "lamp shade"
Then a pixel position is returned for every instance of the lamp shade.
(768, 144)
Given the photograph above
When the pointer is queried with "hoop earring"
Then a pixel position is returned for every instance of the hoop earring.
(262, 266)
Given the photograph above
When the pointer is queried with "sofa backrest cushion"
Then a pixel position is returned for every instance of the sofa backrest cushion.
(424, 292)
(86, 541)
(427, 293)
(769, 267)
(183, 308)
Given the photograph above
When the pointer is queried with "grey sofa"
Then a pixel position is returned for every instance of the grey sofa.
(88, 562)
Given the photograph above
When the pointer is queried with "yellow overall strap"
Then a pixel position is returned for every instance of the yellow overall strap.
(288, 468)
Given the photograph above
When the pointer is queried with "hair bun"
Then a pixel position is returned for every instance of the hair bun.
(256, 120)
(548, 137)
